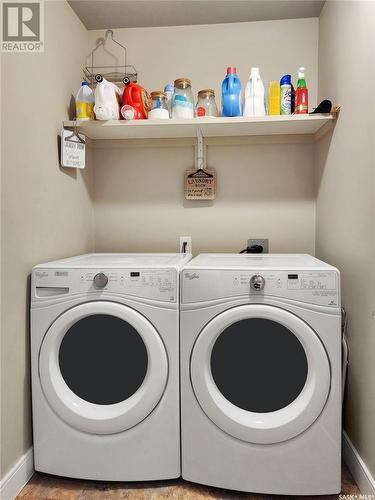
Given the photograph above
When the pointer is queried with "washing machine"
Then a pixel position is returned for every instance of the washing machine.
(261, 373)
(105, 366)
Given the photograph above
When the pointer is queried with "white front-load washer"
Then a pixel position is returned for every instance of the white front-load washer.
(261, 373)
(105, 366)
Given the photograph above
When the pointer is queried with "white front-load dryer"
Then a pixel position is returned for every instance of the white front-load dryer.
(261, 373)
(105, 366)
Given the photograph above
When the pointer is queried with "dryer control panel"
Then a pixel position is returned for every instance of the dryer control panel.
(313, 287)
(154, 284)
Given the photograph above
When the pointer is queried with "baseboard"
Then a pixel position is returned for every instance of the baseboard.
(17, 477)
(21, 472)
(357, 467)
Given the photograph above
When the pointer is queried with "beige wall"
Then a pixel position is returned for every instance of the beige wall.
(203, 52)
(263, 190)
(46, 210)
(345, 215)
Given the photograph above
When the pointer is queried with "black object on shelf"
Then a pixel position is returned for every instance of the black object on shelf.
(324, 107)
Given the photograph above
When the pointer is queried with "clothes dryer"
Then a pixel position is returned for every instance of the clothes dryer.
(261, 373)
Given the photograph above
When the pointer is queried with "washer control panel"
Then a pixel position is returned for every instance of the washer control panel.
(314, 287)
(155, 284)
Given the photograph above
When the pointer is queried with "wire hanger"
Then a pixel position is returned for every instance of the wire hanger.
(115, 73)
(75, 135)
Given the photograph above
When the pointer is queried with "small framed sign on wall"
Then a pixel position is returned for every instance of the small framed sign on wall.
(200, 184)
(73, 147)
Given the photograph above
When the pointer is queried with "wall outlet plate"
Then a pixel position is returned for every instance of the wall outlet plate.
(260, 241)
(188, 241)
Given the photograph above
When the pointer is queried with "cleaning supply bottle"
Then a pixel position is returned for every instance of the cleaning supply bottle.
(107, 96)
(231, 93)
(286, 95)
(136, 96)
(274, 98)
(254, 95)
(85, 103)
(302, 94)
(292, 99)
(169, 90)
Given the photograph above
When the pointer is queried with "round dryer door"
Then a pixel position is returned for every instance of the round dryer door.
(260, 373)
(103, 367)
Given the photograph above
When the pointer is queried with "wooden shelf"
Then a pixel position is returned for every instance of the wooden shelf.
(211, 127)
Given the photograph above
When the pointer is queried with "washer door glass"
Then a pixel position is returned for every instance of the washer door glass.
(260, 373)
(103, 359)
(103, 367)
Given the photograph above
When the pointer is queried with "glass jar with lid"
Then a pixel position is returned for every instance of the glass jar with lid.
(159, 105)
(183, 101)
(206, 105)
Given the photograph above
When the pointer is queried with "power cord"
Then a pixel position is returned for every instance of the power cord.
(253, 249)
(345, 349)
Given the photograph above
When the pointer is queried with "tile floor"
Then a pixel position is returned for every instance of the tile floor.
(46, 487)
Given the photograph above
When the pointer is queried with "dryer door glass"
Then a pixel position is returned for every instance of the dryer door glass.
(103, 359)
(260, 373)
(259, 365)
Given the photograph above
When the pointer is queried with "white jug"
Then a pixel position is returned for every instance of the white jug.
(254, 95)
(107, 98)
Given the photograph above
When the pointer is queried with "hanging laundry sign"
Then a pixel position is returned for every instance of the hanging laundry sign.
(200, 184)
(73, 147)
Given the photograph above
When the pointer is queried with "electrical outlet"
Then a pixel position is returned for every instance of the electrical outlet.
(188, 246)
(263, 242)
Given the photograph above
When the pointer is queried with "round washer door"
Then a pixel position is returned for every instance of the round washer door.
(260, 373)
(103, 367)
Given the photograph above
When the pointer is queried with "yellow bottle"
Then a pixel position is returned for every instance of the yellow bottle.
(85, 103)
(274, 98)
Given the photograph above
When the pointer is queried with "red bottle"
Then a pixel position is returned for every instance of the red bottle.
(136, 96)
(302, 94)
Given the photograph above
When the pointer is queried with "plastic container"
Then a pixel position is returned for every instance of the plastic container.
(206, 105)
(231, 93)
(85, 103)
(292, 99)
(128, 112)
(107, 96)
(286, 95)
(254, 95)
(182, 102)
(136, 96)
(159, 105)
(169, 91)
(302, 94)
(274, 98)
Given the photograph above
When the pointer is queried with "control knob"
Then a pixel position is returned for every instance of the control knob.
(257, 282)
(100, 280)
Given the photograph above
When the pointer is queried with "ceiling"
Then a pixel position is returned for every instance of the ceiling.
(102, 14)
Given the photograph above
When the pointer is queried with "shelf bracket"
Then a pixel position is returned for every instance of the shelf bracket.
(200, 151)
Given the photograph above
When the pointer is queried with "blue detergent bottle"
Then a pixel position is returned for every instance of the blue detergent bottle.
(231, 93)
